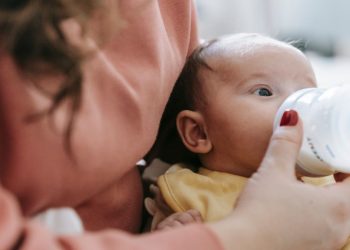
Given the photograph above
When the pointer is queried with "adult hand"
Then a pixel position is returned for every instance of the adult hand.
(275, 211)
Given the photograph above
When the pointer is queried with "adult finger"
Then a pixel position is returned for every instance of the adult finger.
(284, 145)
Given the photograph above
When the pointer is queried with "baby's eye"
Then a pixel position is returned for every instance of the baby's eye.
(263, 92)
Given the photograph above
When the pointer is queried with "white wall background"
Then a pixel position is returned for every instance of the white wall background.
(227, 16)
(324, 26)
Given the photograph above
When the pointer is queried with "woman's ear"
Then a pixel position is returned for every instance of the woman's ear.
(192, 130)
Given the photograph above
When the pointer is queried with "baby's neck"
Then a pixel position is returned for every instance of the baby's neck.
(240, 171)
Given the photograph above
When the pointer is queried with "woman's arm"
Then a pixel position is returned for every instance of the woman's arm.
(275, 211)
(17, 233)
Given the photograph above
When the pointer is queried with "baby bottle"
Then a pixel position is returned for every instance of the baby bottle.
(325, 114)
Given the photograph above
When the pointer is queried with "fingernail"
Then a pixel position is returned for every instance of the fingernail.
(289, 118)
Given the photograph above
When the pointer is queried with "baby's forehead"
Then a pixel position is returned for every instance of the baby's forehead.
(227, 52)
(229, 56)
(244, 45)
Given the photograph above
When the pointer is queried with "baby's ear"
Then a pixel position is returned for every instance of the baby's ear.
(192, 130)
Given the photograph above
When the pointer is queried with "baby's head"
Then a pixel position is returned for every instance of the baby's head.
(233, 87)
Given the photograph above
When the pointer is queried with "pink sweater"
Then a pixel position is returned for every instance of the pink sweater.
(125, 90)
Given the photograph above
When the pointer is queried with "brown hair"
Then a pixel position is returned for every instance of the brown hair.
(186, 95)
(30, 33)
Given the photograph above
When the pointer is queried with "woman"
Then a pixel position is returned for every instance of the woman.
(80, 104)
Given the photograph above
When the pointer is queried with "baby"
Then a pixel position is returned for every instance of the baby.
(229, 93)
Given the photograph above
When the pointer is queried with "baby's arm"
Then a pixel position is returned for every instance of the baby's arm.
(164, 217)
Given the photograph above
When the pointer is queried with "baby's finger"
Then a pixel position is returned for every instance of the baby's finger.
(186, 217)
(169, 222)
(159, 200)
(196, 215)
(154, 189)
(169, 225)
(181, 218)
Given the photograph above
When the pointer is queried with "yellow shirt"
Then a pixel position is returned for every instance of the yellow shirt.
(212, 193)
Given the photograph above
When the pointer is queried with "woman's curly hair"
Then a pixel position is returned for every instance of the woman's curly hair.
(30, 33)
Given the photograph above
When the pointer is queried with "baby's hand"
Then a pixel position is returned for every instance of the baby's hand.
(179, 219)
(163, 216)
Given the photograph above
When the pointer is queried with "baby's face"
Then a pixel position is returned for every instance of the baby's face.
(243, 95)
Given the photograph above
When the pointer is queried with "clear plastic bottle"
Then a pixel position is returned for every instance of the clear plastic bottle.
(326, 120)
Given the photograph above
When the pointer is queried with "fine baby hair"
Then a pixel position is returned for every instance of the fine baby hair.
(188, 93)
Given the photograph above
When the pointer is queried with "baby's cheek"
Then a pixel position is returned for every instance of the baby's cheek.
(261, 144)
